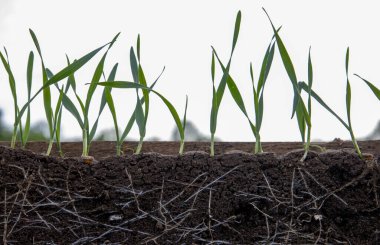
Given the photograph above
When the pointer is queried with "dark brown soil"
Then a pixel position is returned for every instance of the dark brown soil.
(232, 198)
(102, 149)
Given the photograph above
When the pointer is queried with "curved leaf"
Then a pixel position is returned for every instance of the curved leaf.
(126, 84)
(65, 72)
(69, 105)
(374, 89)
(103, 102)
(236, 31)
(348, 89)
(305, 87)
(133, 117)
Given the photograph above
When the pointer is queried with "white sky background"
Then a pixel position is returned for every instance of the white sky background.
(178, 35)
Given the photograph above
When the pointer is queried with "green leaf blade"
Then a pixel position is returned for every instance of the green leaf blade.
(236, 31)
(374, 89)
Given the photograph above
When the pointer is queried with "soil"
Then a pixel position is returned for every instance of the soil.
(163, 198)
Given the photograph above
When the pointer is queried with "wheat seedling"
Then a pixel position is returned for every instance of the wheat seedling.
(24, 132)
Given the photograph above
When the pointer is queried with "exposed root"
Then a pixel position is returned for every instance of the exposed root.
(120, 210)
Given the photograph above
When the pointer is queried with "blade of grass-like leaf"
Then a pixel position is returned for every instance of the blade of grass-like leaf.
(348, 101)
(113, 41)
(134, 66)
(80, 103)
(260, 111)
(310, 70)
(374, 89)
(213, 68)
(174, 115)
(214, 105)
(58, 108)
(71, 82)
(255, 95)
(29, 77)
(233, 89)
(140, 118)
(266, 65)
(58, 131)
(130, 85)
(111, 106)
(348, 89)
(288, 67)
(90, 92)
(142, 81)
(50, 74)
(223, 82)
(310, 84)
(133, 116)
(138, 47)
(184, 115)
(6, 54)
(67, 71)
(182, 140)
(214, 113)
(103, 102)
(251, 73)
(236, 94)
(305, 87)
(129, 125)
(95, 79)
(347, 59)
(71, 78)
(12, 82)
(35, 40)
(284, 54)
(301, 123)
(270, 59)
(236, 31)
(218, 94)
(69, 105)
(46, 91)
(139, 113)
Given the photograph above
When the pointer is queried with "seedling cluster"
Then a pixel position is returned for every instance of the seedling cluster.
(301, 109)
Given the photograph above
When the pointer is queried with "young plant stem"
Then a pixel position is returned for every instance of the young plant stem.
(181, 147)
(118, 148)
(85, 146)
(307, 144)
(139, 146)
(212, 153)
(258, 146)
(60, 152)
(355, 143)
(14, 136)
(49, 147)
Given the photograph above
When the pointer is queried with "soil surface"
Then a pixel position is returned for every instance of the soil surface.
(157, 198)
(102, 149)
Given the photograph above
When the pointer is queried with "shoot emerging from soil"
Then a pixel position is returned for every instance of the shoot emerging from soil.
(17, 126)
(299, 108)
(347, 125)
(217, 94)
(83, 120)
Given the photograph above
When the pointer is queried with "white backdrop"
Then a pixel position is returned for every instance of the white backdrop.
(178, 35)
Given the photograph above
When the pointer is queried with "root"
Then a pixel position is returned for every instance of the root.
(57, 206)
